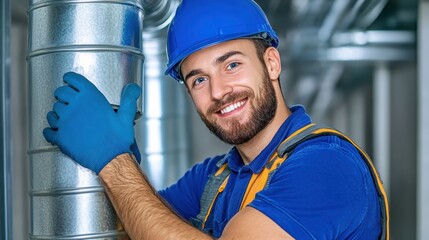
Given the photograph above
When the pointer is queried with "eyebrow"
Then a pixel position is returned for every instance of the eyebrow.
(193, 73)
(219, 60)
(227, 55)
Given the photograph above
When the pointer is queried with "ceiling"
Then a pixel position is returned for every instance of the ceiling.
(286, 15)
(305, 25)
(319, 38)
(330, 46)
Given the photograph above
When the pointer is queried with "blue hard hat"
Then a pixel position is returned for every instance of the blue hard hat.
(198, 24)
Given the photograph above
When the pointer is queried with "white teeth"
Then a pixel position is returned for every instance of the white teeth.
(232, 107)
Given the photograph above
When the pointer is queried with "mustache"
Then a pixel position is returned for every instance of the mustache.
(228, 99)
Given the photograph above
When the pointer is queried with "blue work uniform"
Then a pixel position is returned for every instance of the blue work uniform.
(324, 190)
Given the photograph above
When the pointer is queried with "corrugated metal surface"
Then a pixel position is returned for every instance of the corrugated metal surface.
(102, 41)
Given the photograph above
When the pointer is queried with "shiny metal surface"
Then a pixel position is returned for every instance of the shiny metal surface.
(102, 41)
(163, 130)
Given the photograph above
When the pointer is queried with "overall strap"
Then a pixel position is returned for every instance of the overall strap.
(215, 185)
(261, 180)
(299, 136)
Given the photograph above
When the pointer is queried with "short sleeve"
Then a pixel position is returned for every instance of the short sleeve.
(322, 191)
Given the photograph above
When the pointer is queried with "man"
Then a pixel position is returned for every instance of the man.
(225, 54)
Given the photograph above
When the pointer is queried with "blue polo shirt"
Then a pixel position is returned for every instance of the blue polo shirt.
(324, 190)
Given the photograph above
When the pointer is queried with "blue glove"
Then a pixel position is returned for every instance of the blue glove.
(86, 128)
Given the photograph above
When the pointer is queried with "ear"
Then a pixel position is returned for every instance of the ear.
(273, 62)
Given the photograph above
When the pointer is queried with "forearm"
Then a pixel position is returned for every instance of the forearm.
(142, 212)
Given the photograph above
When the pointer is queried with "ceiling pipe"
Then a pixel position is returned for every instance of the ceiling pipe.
(351, 15)
(341, 16)
(370, 13)
(332, 19)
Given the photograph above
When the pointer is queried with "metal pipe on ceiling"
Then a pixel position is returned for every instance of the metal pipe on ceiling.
(341, 19)
(332, 20)
(370, 13)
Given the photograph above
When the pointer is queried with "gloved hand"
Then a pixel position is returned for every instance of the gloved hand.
(86, 128)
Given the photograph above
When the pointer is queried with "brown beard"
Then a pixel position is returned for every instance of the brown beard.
(263, 112)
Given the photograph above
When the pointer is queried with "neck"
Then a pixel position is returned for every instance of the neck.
(250, 149)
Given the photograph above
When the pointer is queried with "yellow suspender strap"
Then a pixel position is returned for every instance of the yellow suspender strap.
(259, 181)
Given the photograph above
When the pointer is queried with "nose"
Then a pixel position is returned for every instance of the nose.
(219, 87)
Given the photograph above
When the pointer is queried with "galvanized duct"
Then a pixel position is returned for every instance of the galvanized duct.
(101, 40)
(162, 131)
(326, 21)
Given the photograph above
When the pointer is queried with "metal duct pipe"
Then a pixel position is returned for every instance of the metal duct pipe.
(340, 18)
(163, 129)
(101, 40)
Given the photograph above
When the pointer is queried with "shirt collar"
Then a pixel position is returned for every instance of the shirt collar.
(298, 119)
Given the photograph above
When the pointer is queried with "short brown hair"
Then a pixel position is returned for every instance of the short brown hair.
(261, 46)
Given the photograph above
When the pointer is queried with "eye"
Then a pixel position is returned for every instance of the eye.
(199, 80)
(232, 65)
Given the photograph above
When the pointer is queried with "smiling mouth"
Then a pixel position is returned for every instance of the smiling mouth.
(232, 107)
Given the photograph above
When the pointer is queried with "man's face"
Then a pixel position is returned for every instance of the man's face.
(231, 90)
